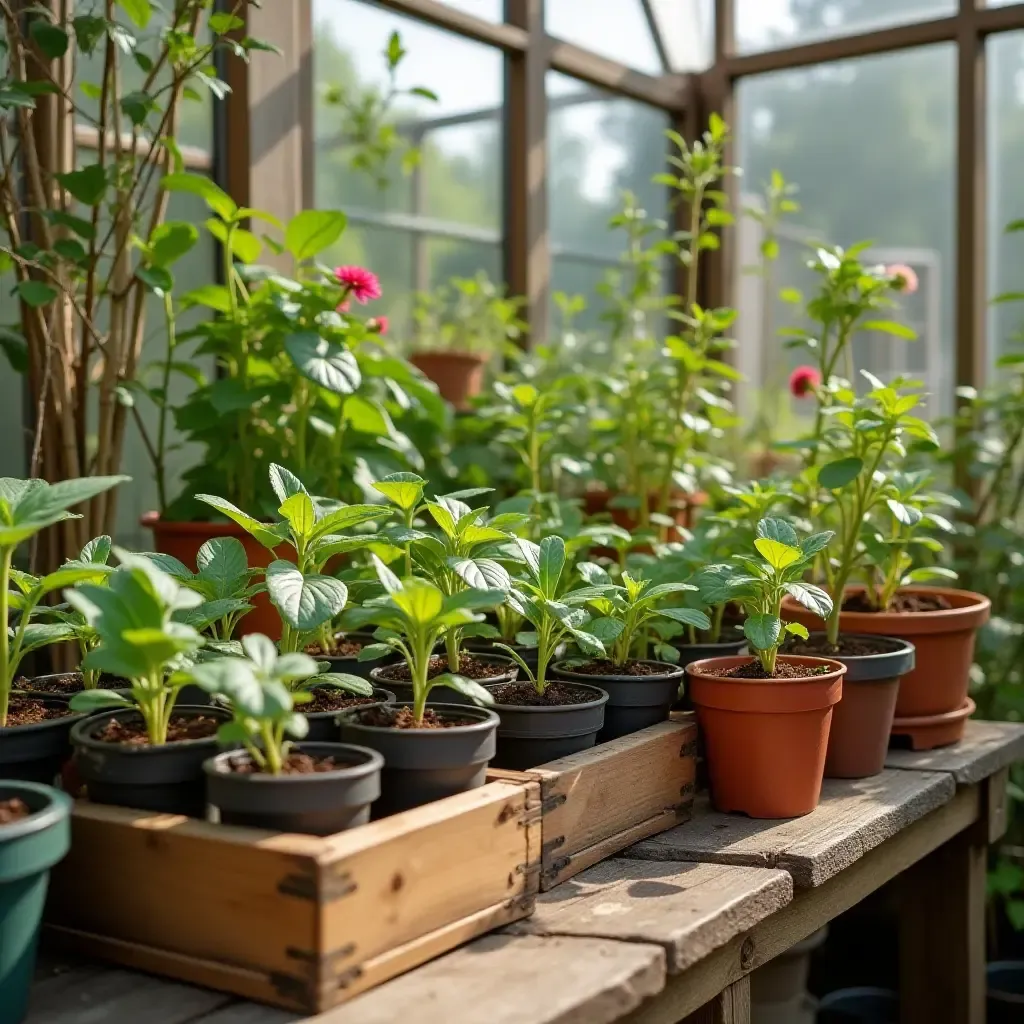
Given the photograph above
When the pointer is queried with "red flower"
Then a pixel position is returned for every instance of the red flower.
(904, 278)
(803, 380)
(378, 324)
(360, 283)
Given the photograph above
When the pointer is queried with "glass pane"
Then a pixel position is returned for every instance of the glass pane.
(871, 145)
(687, 28)
(459, 177)
(766, 24)
(1006, 189)
(615, 28)
(456, 257)
(599, 146)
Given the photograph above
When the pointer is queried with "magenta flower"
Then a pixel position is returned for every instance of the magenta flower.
(803, 381)
(904, 278)
(359, 282)
(378, 324)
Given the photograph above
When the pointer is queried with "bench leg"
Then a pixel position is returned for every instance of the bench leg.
(942, 934)
(732, 1006)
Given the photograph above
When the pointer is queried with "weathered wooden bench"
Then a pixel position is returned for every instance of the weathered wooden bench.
(674, 927)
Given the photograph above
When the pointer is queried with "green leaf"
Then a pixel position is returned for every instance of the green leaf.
(97, 550)
(170, 241)
(91, 701)
(403, 489)
(196, 184)
(483, 573)
(816, 542)
(374, 652)
(261, 531)
(305, 602)
(419, 600)
(42, 634)
(344, 681)
(50, 38)
(87, 185)
(778, 529)
(323, 362)
(905, 514)
(811, 597)
(837, 474)
(36, 293)
(298, 510)
(220, 23)
(463, 684)
(47, 503)
(688, 616)
(285, 483)
(312, 231)
(777, 554)
(15, 348)
(796, 629)
(136, 106)
(763, 631)
(214, 296)
(347, 516)
(156, 279)
(898, 330)
(551, 559)
(138, 10)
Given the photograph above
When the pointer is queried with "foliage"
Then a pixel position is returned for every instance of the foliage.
(413, 614)
(306, 598)
(468, 315)
(27, 507)
(760, 585)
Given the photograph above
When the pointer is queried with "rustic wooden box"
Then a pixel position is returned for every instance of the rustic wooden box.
(298, 921)
(598, 802)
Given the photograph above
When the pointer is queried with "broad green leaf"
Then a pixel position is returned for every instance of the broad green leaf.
(837, 474)
(476, 534)
(91, 701)
(374, 652)
(687, 616)
(594, 574)
(551, 559)
(796, 629)
(813, 598)
(482, 573)
(86, 185)
(763, 631)
(776, 554)
(170, 241)
(260, 531)
(199, 185)
(897, 330)
(347, 516)
(305, 602)
(323, 362)
(905, 514)
(42, 634)
(138, 10)
(587, 642)
(51, 39)
(299, 512)
(419, 600)
(69, 576)
(344, 681)
(223, 560)
(531, 555)
(660, 590)
(285, 483)
(816, 542)
(45, 505)
(607, 630)
(97, 550)
(463, 684)
(312, 231)
(778, 529)
(391, 583)
(443, 517)
(36, 293)
(403, 489)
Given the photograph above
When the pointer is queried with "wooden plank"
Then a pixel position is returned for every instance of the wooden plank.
(854, 816)
(248, 1013)
(688, 909)
(997, 804)
(810, 909)
(506, 979)
(985, 748)
(942, 934)
(599, 801)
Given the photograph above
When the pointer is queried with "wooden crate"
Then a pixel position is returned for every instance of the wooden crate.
(598, 802)
(298, 921)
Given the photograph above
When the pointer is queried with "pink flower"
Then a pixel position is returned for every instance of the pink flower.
(904, 278)
(360, 283)
(343, 307)
(803, 380)
(378, 324)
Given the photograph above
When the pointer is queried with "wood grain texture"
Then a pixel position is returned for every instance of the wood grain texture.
(506, 979)
(689, 910)
(854, 816)
(985, 748)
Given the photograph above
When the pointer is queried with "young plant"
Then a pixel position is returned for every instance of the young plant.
(555, 616)
(305, 597)
(413, 614)
(635, 608)
(225, 581)
(760, 585)
(877, 511)
(263, 689)
(26, 508)
(140, 639)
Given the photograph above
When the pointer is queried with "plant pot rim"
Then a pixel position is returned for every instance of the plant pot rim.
(945, 718)
(705, 669)
(530, 709)
(454, 354)
(871, 668)
(80, 731)
(738, 642)
(499, 659)
(320, 715)
(672, 672)
(1001, 994)
(58, 806)
(370, 762)
(74, 718)
(486, 720)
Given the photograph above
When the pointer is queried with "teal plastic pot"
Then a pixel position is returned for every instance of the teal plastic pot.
(28, 849)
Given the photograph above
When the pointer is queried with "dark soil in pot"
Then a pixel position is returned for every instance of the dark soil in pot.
(448, 755)
(67, 684)
(343, 655)
(324, 788)
(31, 843)
(36, 740)
(862, 721)
(901, 603)
(537, 729)
(322, 711)
(528, 654)
(118, 765)
(640, 693)
(484, 668)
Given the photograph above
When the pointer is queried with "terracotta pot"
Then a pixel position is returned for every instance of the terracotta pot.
(862, 720)
(459, 376)
(930, 731)
(944, 642)
(765, 738)
(183, 541)
(682, 509)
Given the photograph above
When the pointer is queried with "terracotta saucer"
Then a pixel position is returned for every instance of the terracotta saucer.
(930, 731)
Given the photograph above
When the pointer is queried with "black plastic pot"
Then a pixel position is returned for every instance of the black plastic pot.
(353, 666)
(531, 736)
(1005, 991)
(634, 702)
(323, 725)
(423, 765)
(192, 696)
(444, 694)
(318, 803)
(35, 753)
(528, 654)
(860, 1006)
(117, 685)
(168, 779)
(689, 653)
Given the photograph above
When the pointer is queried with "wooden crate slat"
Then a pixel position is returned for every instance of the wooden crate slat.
(986, 748)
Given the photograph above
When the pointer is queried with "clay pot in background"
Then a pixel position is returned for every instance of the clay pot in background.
(459, 376)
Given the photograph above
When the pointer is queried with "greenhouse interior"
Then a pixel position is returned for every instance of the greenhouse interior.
(512, 512)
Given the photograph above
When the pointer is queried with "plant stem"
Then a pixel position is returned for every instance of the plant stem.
(159, 467)
(6, 674)
(419, 669)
